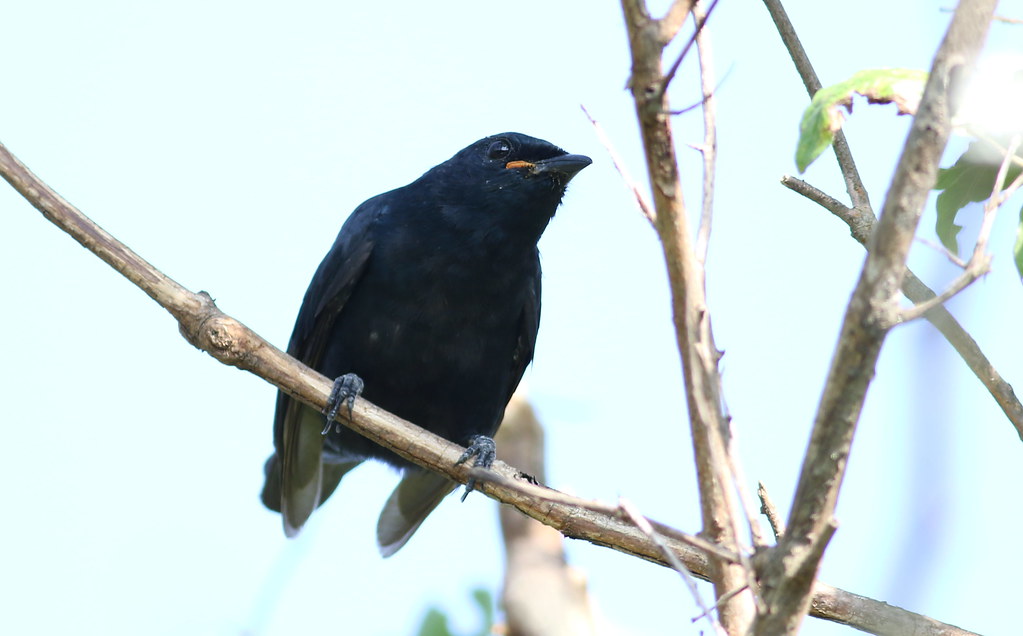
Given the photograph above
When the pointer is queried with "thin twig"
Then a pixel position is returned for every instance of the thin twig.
(709, 152)
(975, 268)
(670, 75)
(644, 205)
(1016, 184)
(980, 261)
(991, 141)
(941, 249)
(795, 48)
(710, 144)
(861, 222)
(644, 525)
(770, 511)
(752, 522)
(998, 196)
(821, 198)
(703, 100)
(527, 489)
(728, 596)
(853, 183)
(739, 477)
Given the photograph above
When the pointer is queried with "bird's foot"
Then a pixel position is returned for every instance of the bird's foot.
(484, 450)
(346, 388)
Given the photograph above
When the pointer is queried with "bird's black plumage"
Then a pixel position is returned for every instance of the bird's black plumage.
(431, 295)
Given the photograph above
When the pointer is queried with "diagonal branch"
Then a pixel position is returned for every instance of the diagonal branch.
(623, 171)
(701, 20)
(792, 567)
(980, 261)
(674, 19)
(648, 529)
(230, 342)
(853, 184)
(861, 221)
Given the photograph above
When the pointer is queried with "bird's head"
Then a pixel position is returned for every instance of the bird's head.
(515, 180)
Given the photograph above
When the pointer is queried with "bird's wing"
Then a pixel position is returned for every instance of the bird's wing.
(529, 325)
(297, 427)
(420, 491)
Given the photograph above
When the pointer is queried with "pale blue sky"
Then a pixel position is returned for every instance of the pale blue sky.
(226, 142)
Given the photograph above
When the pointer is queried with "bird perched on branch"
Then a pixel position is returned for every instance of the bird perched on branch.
(427, 305)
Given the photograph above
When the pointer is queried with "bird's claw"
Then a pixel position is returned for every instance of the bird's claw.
(346, 388)
(484, 450)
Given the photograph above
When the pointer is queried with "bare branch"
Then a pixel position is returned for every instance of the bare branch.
(821, 198)
(670, 75)
(792, 567)
(861, 224)
(739, 479)
(861, 220)
(941, 249)
(980, 261)
(644, 205)
(873, 619)
(982, 135)
(643, 524)
(710, 138)
(232, 343)
(998, 196)
(675, 18)
(975, 268)
(694, 336)
(969, 350)
(709, 152)
(853, 184)
(769, 510)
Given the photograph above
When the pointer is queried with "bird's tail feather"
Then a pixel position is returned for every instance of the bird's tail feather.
(331, 477)
(271, 494)
(418, 493)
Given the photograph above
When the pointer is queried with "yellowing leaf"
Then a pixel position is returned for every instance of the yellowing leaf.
(824, 117)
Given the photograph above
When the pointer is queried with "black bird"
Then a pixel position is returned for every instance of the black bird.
(427, 305)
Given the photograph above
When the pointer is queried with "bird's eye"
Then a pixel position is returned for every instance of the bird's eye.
(499, 149)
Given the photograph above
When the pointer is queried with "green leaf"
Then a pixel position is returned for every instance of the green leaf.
(485, 600)
(823, 117)
(969, 180)
(435, 624)
(1017, 251)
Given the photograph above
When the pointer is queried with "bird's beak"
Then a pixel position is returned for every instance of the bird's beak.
(566, 165)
